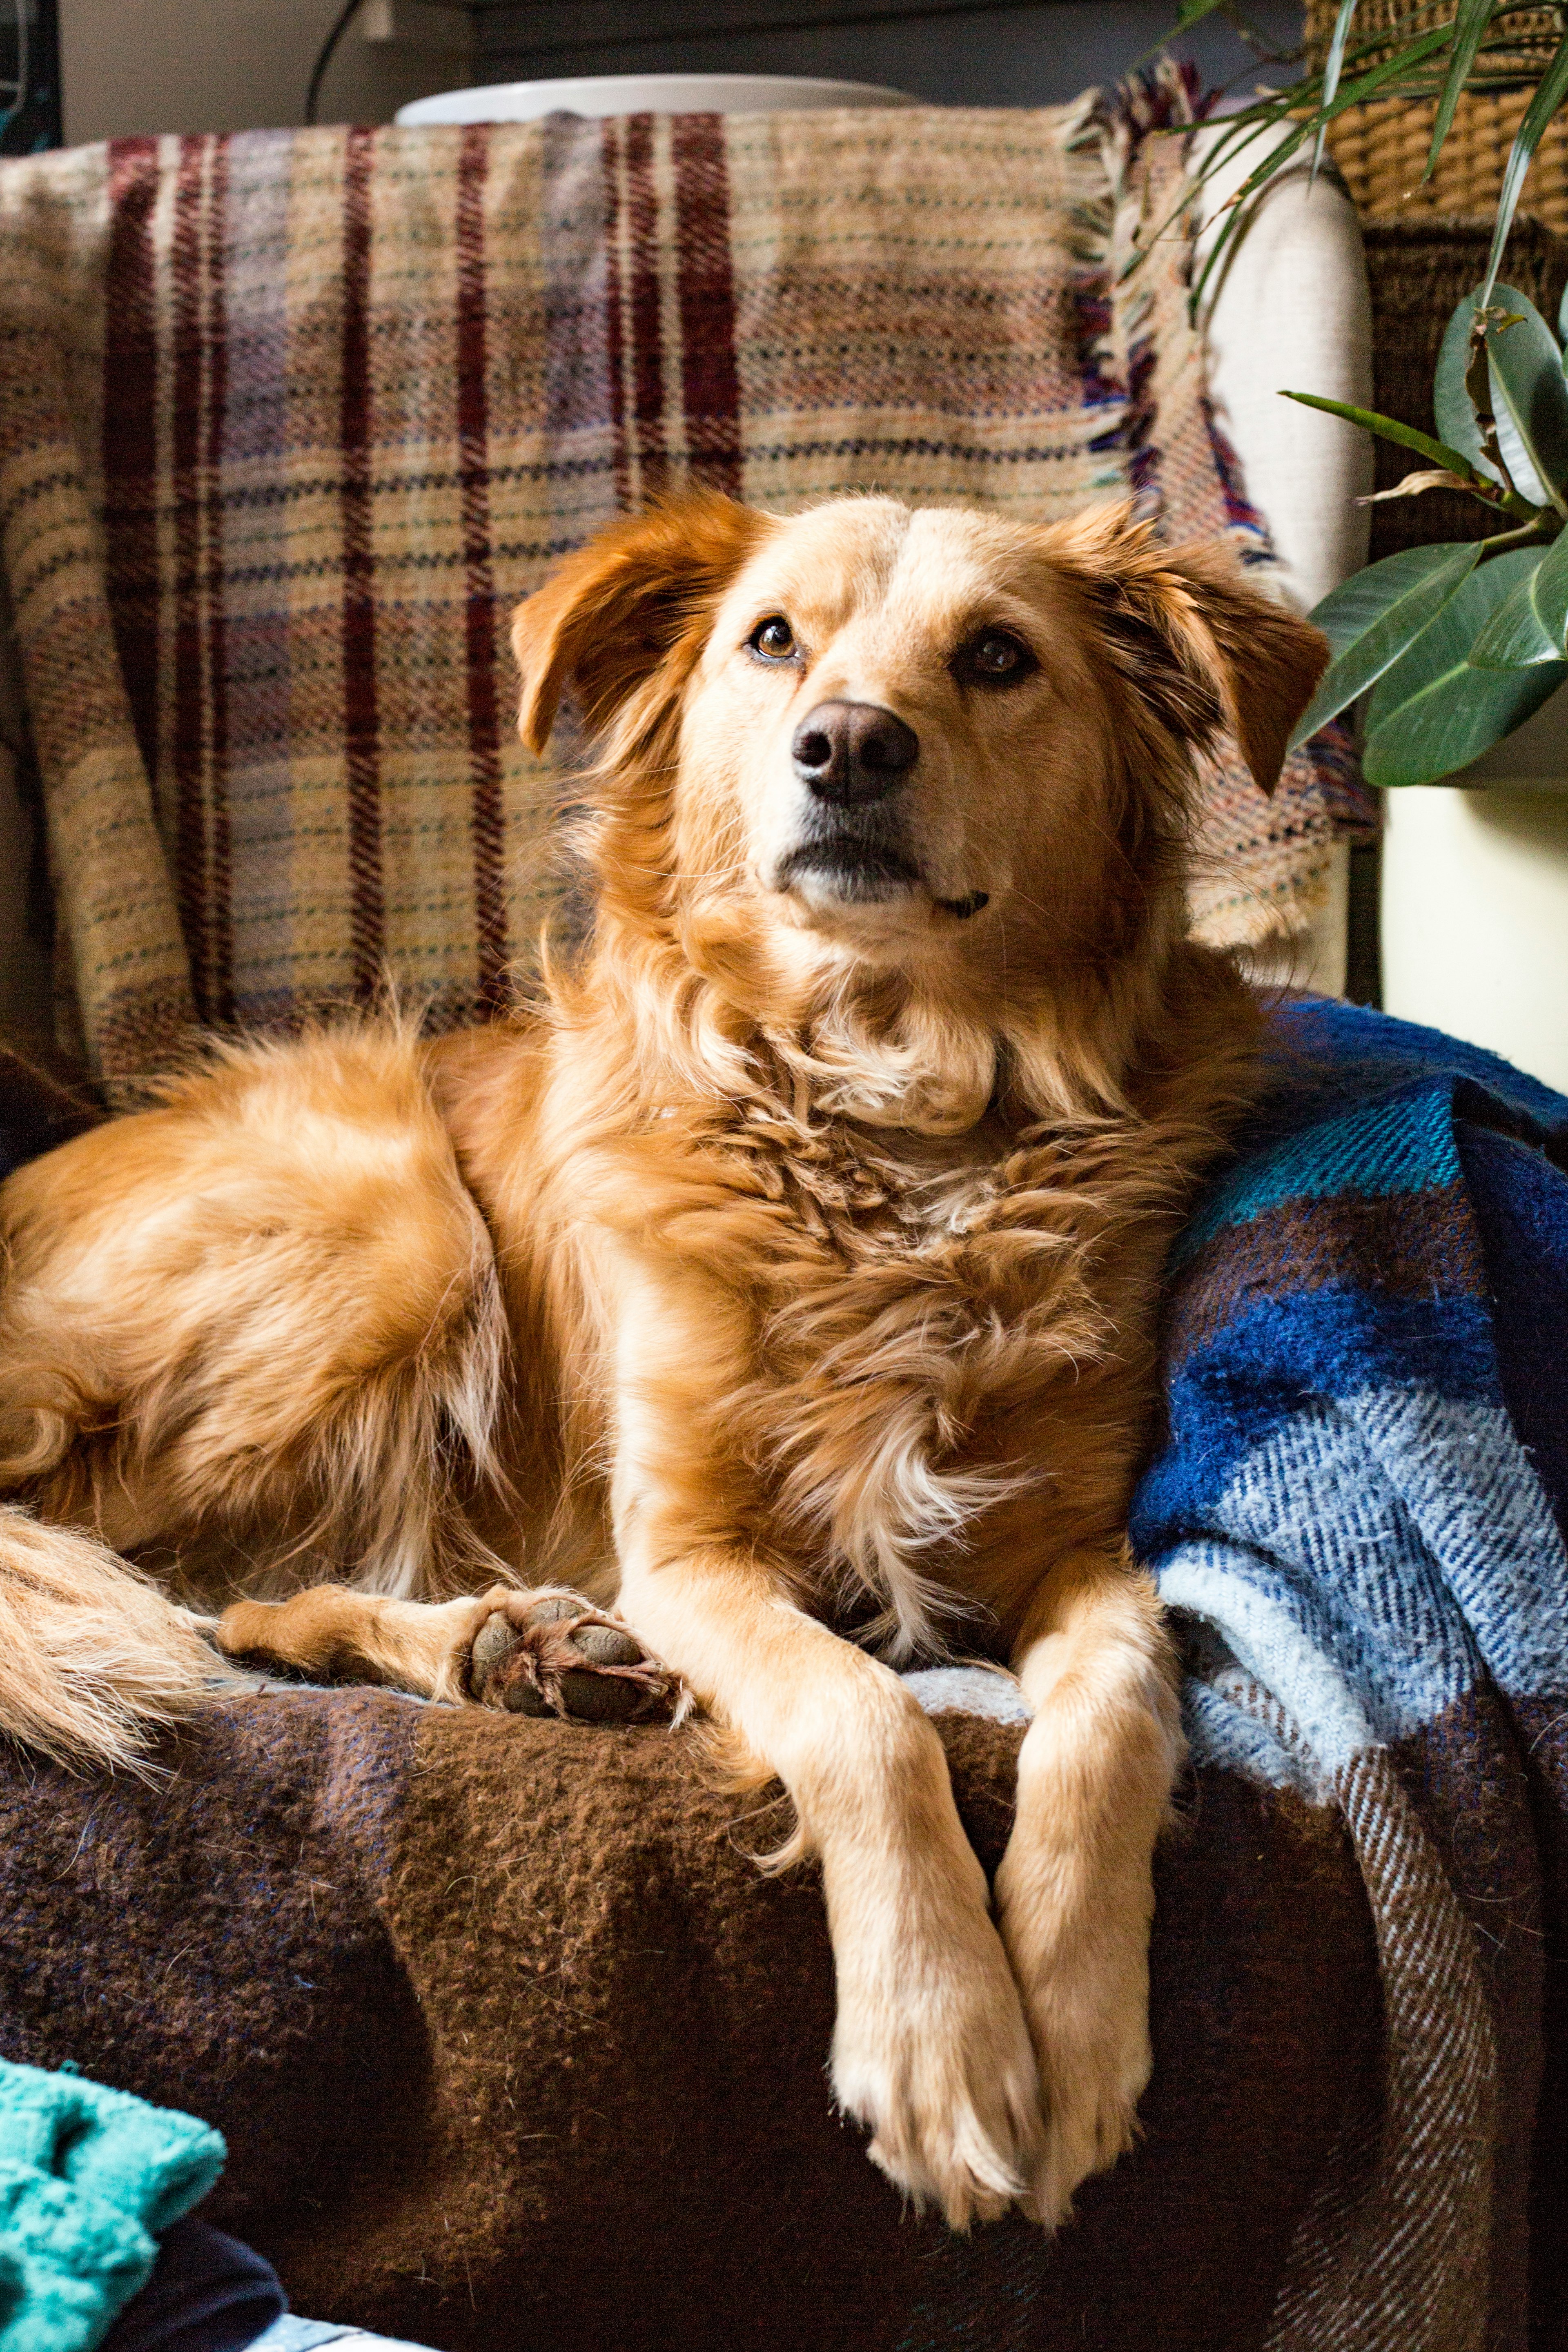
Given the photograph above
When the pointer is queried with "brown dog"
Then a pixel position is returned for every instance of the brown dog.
(794, 1268)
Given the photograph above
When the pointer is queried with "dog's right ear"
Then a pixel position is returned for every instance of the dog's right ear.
(1202, 649)
(614, 610)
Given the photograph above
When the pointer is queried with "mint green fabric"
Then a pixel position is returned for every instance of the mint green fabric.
(89, 2178)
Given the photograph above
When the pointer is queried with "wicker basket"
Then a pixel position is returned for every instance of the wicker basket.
(1381, 148)
(1530, 34)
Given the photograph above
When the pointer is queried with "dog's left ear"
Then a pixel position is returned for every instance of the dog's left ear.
(1206, 652)
(612, 613)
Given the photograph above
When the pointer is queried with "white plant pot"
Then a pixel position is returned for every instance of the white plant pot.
(1475, 900)
(599, 94)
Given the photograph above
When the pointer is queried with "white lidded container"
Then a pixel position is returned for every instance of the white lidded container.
(1475, 899)
(599, 94)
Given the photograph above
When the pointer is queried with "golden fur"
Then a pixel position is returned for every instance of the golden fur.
(794, 1268)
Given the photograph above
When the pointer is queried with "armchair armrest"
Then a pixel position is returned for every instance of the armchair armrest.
(1292, 311)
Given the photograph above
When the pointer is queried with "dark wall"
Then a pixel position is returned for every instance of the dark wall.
(30, 77)
(955, 53)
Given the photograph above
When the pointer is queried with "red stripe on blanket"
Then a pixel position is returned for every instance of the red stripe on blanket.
(632, 286)
(709, 379)
(480, 604)
(614, 336)
(647, 342)
(361, 717)
(186, 719)
(220, 898)
(131, 432)
(201, 816)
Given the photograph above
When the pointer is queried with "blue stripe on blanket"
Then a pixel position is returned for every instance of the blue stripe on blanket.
(1404, 1144)
(1248, 1376)
(1356, 1055)
(1373, 1560)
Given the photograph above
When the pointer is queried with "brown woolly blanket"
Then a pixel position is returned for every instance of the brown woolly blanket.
(513, 2046)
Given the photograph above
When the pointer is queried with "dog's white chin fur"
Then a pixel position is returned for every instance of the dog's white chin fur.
(901, 919)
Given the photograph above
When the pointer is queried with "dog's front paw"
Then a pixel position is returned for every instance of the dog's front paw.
(932, 2053)
(1085, 1982)
(554, 1653)
(1097, 2072)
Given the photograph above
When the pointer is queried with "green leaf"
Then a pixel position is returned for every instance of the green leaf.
(1237, 207)
(1388, 428)
(1471, 20)
(1396, 67)
(1432, 713)
(1529, 391)
(1549, 94)
(1452, 412)
(1549, 591)
(1514, 638)
(1374, 616)
(1562, 321)
(1455, 414)
(1297, 117)
(1332, 66)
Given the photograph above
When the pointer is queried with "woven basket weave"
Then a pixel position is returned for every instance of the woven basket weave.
(1381, 149)
(1530, 34)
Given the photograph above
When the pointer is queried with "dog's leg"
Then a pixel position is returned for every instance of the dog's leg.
(547, 1652)
(330, 1632)
(930, 2047)
(1075, 1889)
(260, 1326)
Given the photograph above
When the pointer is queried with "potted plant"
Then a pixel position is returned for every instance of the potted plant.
(1458, 644)
(1455, 652)
(1376, 50)
(1456, 648)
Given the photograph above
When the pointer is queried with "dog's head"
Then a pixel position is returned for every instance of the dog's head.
(902, 740)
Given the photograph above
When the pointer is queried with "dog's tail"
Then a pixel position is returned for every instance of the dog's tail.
(94, 1661)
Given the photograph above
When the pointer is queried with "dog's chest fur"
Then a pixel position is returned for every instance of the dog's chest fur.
(932, 1316)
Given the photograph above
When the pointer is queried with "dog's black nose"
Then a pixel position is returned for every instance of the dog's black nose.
(852, 752)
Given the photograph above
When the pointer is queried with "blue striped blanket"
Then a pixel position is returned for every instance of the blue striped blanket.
(1359, 1515)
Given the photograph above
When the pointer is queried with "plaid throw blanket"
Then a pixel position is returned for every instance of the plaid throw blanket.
(287, 421)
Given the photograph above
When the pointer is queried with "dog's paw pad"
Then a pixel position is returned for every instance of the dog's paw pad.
(554, 1653)
(495, 1649)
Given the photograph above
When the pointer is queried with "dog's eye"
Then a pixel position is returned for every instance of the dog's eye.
(773, 639)
(996, 658)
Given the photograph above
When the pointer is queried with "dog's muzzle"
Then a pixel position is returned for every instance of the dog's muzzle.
(849, 757)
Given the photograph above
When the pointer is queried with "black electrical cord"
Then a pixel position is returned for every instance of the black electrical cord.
(345, 18)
